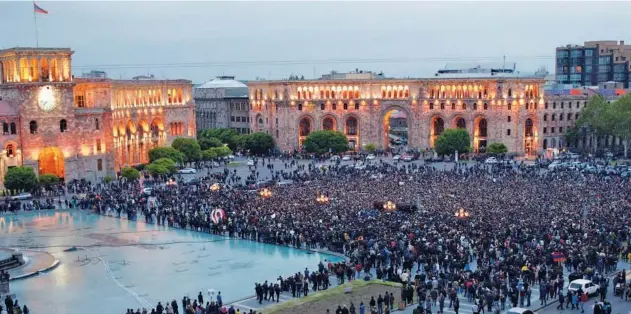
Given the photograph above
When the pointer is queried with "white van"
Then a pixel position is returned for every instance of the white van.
(586, 285)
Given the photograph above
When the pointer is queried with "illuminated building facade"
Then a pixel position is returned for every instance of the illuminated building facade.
(84, 127)
(493, 107)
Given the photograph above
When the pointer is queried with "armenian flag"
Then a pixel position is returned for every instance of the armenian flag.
(38, 9)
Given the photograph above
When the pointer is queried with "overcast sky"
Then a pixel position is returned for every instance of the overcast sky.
(200, 40)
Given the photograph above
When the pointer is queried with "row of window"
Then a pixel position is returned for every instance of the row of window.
(545, 130)
(242, 130)
(176, 128)
(569, 104)
(63, 126)
(485, 106)
(333, 106)
(9, 128)
(239, 107)
(239, 119)
(554, 116)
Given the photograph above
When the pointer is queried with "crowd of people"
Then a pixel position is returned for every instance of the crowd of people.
(519, 223)
(13, 307)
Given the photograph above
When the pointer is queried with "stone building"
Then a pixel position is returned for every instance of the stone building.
(493, 107)
(593, 63)
(222, 103)
(83, 127)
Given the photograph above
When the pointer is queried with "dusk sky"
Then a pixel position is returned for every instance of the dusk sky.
(272, 40)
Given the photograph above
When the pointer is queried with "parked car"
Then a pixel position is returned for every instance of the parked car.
(346, 157)
(187, 171)
(250, 162)
(335, 158)
(586, 285)
(407, 158)
(396, 157)
(22, 196)
(370, 157)
(491, 160)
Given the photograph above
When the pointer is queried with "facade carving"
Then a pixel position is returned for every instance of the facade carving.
(493, 109)
(84, 127)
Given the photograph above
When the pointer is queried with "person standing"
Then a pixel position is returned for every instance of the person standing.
(456, 305)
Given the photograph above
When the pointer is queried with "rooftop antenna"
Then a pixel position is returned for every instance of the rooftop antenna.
(504, 65)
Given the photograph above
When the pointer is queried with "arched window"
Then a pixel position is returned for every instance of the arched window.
(545, 143)
(63, 125)
(10, 150)
(509, 106)
(356, 106)
(304, 126)
(510, 92)
(5, 128)
(97, 124)
(464, 106)
(475, 106)
(351, 126)
(322, 106)
(482, 128)
(461, 124)
(33, 127)
(345, 106)
(13, 128)
(299, 107)
(486, 106)
(528, 130)
(439, 126)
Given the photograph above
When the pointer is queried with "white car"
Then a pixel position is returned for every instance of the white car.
(335, 158)
(518, 310)
(214, 164)
(396, 157)
(370, 157)
(586, 285)
(187, 171)
(408, 158)
(251, 162)
(230, 157)
(22, 196)
(491, 160)
(360, 165)
(346, 158)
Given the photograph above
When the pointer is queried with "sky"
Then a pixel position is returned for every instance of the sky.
(272, 40)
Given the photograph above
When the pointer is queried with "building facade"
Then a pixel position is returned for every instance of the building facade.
(492, 107)
(593, 63)
(222, 103)
(83, 127)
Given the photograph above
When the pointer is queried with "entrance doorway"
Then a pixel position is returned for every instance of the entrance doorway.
(395, 130)
(51, 161)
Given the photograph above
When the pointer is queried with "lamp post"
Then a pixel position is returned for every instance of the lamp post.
(322, 199)
(462, 213)
(265, 193)
(389, 206)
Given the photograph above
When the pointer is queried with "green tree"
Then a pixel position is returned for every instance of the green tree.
(166, 152)
(189, 147)
(616, 118)
(224, 135)
(591, 122)
(452, 140)
(209, 154)
(222, 151)
(162, 167)
(237, 142)
(496, 148)
(325, 141)
(259, 143)
(107, 179)
(48, 180)
(209, 142)
(370, 147)
(130, 173)
(20, 178)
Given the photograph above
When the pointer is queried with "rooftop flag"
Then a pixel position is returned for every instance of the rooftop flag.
(38, 9)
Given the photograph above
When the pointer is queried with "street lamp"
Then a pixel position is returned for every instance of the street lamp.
(389, 206)
(322, 199)
(462, 213)
(215, 187)
(265, 193)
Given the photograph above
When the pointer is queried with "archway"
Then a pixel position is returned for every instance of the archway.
(437, 127)
(528, 137)
(328, 123)
(51, 161)
(395, 129)
(305, 126)
(351, 129)
(259, 123)
(459, 122)
(480, 134)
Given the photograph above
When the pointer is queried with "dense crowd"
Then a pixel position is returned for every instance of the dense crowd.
(516, 221)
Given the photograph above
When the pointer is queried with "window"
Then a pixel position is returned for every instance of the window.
(356, 106)
(334, 106)
(442, 106)
(98, 145)
(299, 107)
(232, 119)
(576, 116)
(554, 116)
(33, 127)
(552, 130)
(569, 116)
(529, 128)
(277, 134)
(578, 105)
(545, 130)
(508, 132)
(560, 117)
(345, 106)
(510, 93)
(554, 105)
(562, 104)
(509, 118)
(545, 117)
(13, 128)
(510, 106)
(464, 106)
(486, 106)
(238, 119)
(431, 106)
(546, 105)
(97, 125)
(63, 125)
(5, 128)
(475, 106)
(560, 129)
(79, 101)
(322, 106)
(99, 165)
(10, 150)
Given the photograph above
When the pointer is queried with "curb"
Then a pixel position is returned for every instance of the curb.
(39, 271)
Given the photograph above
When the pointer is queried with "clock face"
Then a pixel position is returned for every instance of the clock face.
(46, 101)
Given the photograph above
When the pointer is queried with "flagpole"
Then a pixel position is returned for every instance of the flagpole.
(35, 20)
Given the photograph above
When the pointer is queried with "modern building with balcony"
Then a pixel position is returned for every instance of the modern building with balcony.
(593, 63)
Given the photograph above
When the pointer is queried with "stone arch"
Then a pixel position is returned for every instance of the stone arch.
(530, 135)
(51, 161)
(458, 121)
(305, 126)
(329, 122)
(259, 123)
(436, 127)
(143, 126)
(130, 128)
(480, 132)
(384, 116)
(352, 130)
(11, 148)
(121, 128)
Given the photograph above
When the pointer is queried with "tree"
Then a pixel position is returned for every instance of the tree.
(20, 178)
(189, 147)
(370, 147)
(167, 163)
(162, 167)
(237, 142)
(130, 173)
(259, 143)
(496, 148)
(325, 141)
(48, 180)
(224, 135)
(452, 140)
(166, 152)
(209, 142)
(616, 118)
(591, 122)
(209, 154)
(222, 151)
